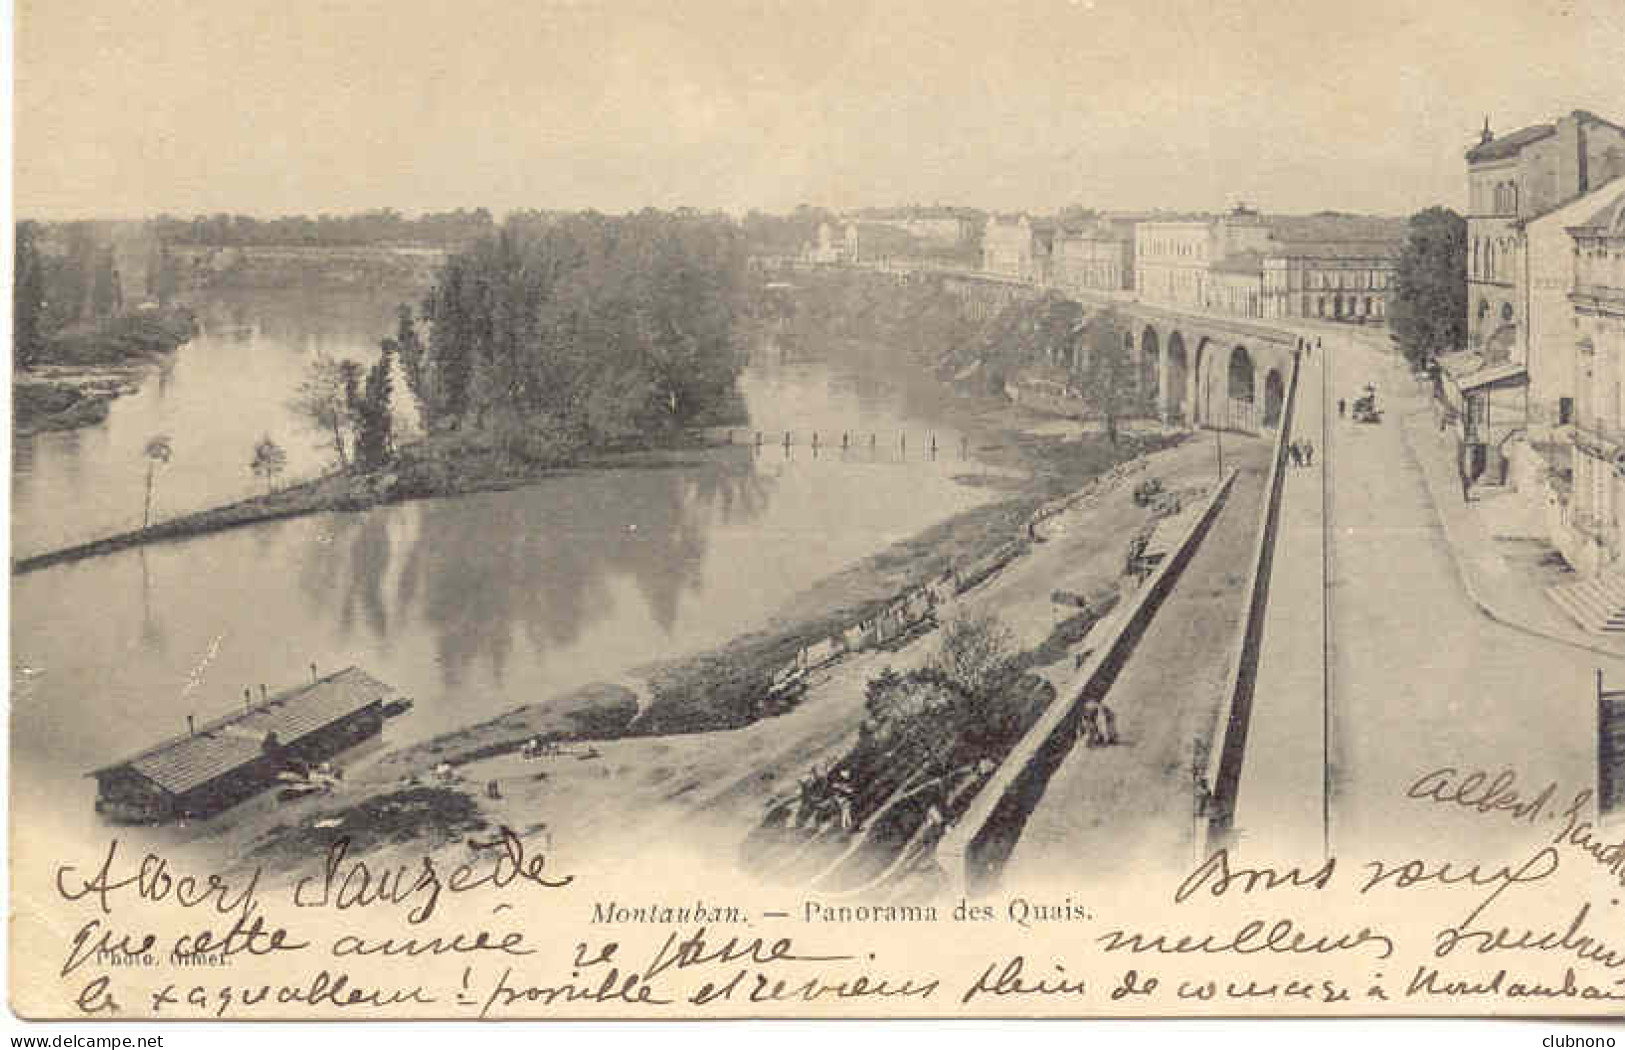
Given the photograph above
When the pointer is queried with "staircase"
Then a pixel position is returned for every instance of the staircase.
(1597, 602)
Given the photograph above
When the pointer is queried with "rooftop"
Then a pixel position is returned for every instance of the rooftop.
(1330, 227)
(184, 762)
(1508, 145)
(1610, 218)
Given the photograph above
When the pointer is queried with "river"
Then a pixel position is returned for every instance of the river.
(471, 605)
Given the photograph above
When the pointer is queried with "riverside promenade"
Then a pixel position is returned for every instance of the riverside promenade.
(1281, 802)
(1112, 814)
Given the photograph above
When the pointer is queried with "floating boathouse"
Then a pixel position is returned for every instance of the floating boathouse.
(221, 763)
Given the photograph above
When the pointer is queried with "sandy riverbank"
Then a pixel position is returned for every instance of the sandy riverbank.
(603, 796)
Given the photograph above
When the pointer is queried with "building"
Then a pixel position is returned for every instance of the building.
(212, 767)
(1171, 262)
(1594, 538)
(1525, 190)
(832, 247)
(1094, 257)
(1174, 260)
(1332, 267)
(1020, 248)
(1236, 285)
(936, 226)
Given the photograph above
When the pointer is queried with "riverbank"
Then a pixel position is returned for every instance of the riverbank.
(413, 476)
(611, 779)
(85, 366)
(722, 688)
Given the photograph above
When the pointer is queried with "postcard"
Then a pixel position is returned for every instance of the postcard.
(600, 510)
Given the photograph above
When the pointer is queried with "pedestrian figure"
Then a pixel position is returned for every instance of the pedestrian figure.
(1089, 729)
(1342, 406)
(1308, 453)
(1295, 453)
(1108, 726)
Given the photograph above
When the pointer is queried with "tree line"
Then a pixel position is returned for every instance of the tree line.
(52, 291)
(448, 229)
(923, 318)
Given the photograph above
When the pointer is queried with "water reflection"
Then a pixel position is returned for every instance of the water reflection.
(215, 397)
(471, 605)
(476, 572)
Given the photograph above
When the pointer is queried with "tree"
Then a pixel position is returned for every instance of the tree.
(269, 461)
(162, 279)
(106, 296)
(975, 653)
(1109, 384)
(1428, 313)
(158, 450)
(322, 400)
(27, 298)
(414, 364)
(370, 409)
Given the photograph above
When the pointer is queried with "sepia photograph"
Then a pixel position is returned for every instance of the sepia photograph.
(605, 510)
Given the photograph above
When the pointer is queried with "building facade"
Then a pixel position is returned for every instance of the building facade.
(1236, 285)
(1019, 248)
(1525, 189)
(1596, 538)
(1328, 266)
(1171, 262)
(1347, 281)
(1097, 257)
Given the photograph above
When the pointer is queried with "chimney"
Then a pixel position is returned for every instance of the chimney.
(1485, 136)
(313, 671)
(1571, 174)
(191, 726)
(248, 697)
(263, 694)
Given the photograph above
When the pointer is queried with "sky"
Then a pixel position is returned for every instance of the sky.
(267, 107)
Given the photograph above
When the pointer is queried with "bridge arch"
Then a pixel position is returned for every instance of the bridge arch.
(1240, 386)
(1150, 365)
(1241, 374)
(1176, 387)
(1274, 398)
(1204, 409)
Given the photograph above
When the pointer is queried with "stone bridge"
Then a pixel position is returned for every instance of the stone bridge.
(1201, 369)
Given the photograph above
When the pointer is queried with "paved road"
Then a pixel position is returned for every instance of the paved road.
(1420, 677)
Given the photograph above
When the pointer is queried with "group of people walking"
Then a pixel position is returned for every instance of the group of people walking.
(1302, 453)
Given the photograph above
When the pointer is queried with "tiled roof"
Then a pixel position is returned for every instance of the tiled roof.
(1337, 250)
(1337, 228)
(182, 763)
(1508, 145)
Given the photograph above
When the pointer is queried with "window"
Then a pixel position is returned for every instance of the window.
(1506, 313)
